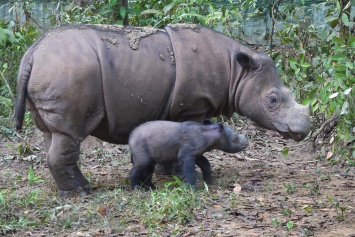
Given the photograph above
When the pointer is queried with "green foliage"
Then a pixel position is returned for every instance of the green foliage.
(167, 205)
(32, 178)
(160, 13)
(339, 209)
(13, 44)
(319, 61)
(225, 16)
(275, 222)
(24, 149)
(80, 15)
(289, 225)
(11, 220)
(2, 198)
(290, 188)
(14, 40)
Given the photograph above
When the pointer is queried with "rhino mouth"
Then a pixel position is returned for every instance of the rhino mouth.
(287, 133)
(290, 135)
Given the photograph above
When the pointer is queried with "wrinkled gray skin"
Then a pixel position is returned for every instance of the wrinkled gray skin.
(166, 142)
(106, 80)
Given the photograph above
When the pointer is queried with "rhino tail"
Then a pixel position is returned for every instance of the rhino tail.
(22, 81)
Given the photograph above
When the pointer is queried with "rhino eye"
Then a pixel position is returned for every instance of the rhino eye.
(273, 101)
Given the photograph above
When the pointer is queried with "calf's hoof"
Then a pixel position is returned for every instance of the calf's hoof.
(78, 192)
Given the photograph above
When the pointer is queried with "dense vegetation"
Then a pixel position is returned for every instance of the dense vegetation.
(315, 60)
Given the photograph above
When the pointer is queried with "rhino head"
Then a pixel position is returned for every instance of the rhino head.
(262, 97)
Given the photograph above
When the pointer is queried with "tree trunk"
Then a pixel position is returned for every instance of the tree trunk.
(344, 30)
(116, 12)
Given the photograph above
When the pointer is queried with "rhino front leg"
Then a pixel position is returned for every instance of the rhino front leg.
(205, 167)
(62, 158)
(188, 169)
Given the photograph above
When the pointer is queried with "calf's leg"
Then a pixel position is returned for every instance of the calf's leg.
(141, 176)
(205, 167)
(188, 169)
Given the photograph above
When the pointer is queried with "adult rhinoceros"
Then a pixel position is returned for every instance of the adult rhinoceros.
(104, 81)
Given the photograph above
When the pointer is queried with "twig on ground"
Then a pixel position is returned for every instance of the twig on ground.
(334, 119)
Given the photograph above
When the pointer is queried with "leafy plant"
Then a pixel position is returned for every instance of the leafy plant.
(340, 215)
(289, 225)
(320, 62)
(32, 178)
(275, 222)
(290, 188)
(2, 198)
(286, 212)
(24, 149)
(79, 15)
(175, 202)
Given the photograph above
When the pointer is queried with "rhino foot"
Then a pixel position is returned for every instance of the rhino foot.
(78, 192)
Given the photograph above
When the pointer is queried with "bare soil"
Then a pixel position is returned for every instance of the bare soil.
(305, 188)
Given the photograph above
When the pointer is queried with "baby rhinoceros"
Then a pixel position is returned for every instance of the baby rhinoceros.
(166, 142)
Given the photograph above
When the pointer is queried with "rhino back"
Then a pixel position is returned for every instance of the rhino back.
(84, 73)
(160, 140)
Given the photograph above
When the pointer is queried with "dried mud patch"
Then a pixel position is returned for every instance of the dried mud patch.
(301, 188)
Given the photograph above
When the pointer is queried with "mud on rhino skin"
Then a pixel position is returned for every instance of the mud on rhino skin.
(106, 80)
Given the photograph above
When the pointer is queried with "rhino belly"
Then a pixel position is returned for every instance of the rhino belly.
(137, 83)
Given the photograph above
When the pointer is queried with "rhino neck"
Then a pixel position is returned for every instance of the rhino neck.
(237, 80)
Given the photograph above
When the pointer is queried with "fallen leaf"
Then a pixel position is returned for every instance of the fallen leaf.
(304, 201)
(187, 234)
(104, 211)
(237, 188)
(35, 234)
(329, 155)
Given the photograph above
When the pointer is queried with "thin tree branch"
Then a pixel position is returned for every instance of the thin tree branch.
(273, 25)
(334, 118)
(8, 86)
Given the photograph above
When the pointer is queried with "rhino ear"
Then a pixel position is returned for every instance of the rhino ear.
(246, 61)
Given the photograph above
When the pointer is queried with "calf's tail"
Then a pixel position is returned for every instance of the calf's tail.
(22, 81)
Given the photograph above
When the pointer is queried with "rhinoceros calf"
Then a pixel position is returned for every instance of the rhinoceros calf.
(166, 142)
(104, 81)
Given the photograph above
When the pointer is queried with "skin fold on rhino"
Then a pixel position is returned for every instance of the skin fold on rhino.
(104, 81)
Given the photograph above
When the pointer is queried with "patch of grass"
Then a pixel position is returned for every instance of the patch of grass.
(340, 209)
(290, 188)
(175, 202)
(289, 225)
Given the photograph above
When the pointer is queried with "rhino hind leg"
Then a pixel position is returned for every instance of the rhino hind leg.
(141, 176)
(62, 158)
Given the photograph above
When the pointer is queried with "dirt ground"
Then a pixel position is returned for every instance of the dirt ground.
(301, 194)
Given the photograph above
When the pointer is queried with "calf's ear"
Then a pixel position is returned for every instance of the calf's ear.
(246, 61)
